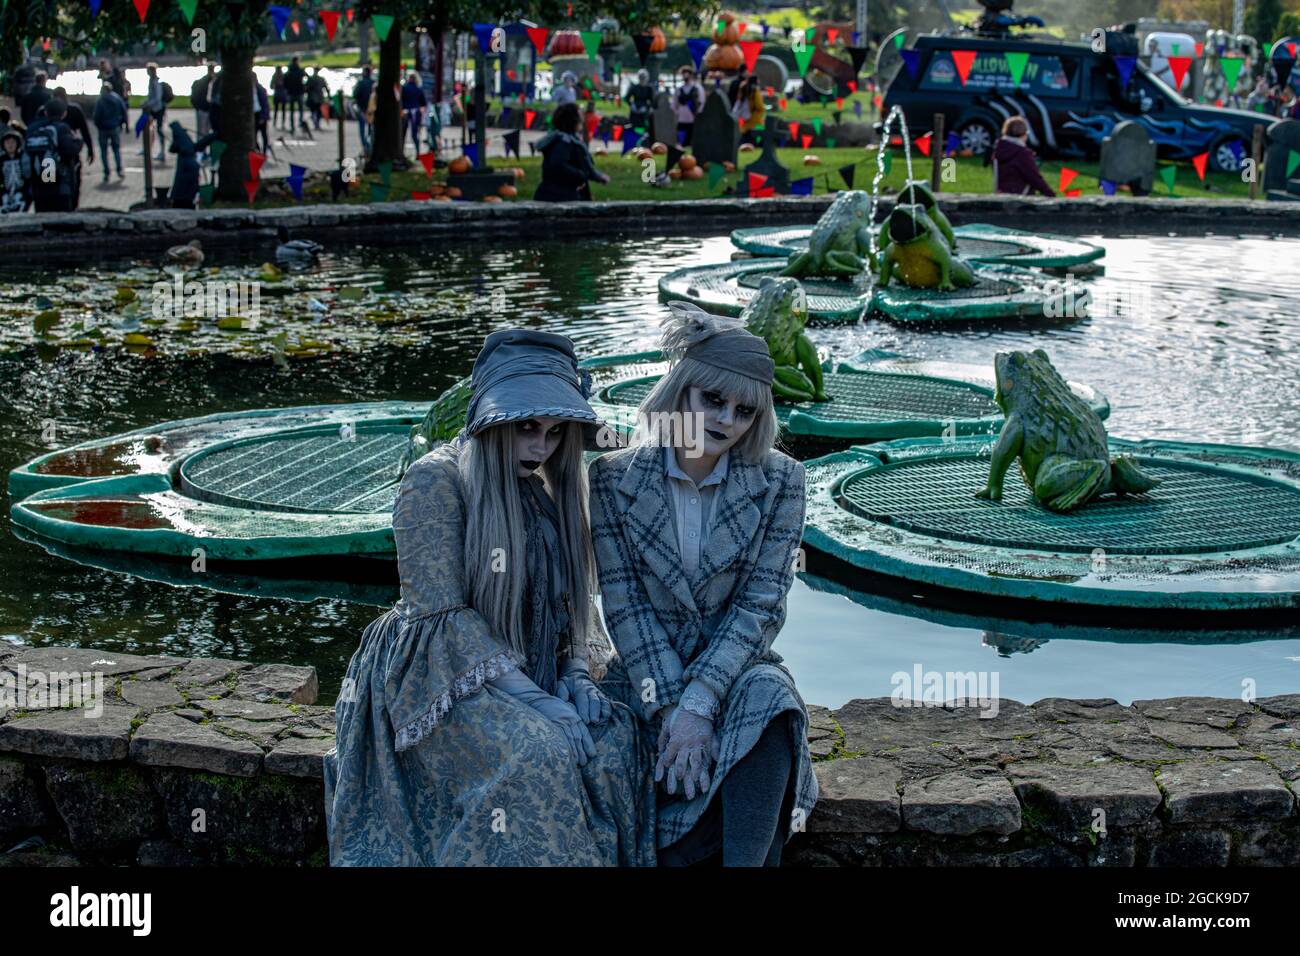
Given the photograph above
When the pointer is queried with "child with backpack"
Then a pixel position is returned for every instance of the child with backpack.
(53, 150)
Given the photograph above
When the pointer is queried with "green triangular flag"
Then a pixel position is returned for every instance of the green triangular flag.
(338, 102)
(207, 193)
(187, 8)
(719, 26)
(1231, 70)
(378, 193)
(1167, 173)
(383, 23)
(899, 40)
(385, 172)
(591, 40)
(1292, 161)
(216, 149)
(1017, 62)
(1268, 50)
(716, 172)
(801, 57)
(1175, 49)
(830, 143)
(817, 125)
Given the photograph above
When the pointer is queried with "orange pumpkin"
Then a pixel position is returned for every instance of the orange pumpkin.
(459, 166)
(506, 191)
(693, 173)
(491, 198)
(674, 173)
(659, 148)
(519, 173)
(453, 192)
(442, 199)
(730, 32)
(658, 42)
(687, 162)
(726, 58)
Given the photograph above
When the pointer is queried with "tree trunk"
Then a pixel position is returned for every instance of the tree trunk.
(237, 130)
(388, 118)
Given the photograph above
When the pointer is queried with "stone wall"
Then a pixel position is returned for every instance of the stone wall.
(53, 235)
(208, 761)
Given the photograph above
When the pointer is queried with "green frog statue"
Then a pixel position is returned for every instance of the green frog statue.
(446, 416)
(917, 192)
(778, 313)
(840, 244)
(1059, 439)
(918, 252)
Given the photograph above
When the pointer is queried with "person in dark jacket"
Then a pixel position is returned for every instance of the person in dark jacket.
(30, 104)
(185, 181)
(295, 83)
(567, 166)
(361, 99)
(1017, 169)
(54, 150)
(110, 119)
(413, 103)
(318, 92)
(76, 120)
(641, 100)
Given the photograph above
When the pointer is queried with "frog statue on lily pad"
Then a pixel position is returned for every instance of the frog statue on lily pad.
(446, 417)
(777, 313)
(1058, 438)
(840, 244)
(917, 192)
(919, 254)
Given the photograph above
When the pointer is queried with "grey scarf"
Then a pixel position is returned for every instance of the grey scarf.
(546, 595)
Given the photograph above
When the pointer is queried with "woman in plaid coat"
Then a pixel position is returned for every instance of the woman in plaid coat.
(696, 528)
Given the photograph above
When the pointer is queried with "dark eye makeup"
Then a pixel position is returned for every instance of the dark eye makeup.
(714, 400)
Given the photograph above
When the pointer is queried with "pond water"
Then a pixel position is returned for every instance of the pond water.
(1192, 338)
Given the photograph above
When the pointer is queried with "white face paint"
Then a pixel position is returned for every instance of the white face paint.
(535, 440)
(720, 421)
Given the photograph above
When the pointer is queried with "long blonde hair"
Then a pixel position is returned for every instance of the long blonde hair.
(495, 520)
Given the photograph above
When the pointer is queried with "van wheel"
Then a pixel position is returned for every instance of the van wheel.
(977, 136)
(1223, 159)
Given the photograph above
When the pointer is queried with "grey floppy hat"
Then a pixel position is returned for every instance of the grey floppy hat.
(525, 373)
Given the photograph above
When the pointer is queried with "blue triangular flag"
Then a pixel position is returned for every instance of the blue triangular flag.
(913, 60)
(801, 187)
(141, 123)
(296, 173)
(471, 153)
(1125, 66)
(681, 137)
(484, 33)
(94, 7)
(857, 108)
(1238, 149)
(856, 34)
(505, 116)
(630, 139)
(765, 29)
(1108, 187)
(952, 144)
(697, 46)
(280, 17)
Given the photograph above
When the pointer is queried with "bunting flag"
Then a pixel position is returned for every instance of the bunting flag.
(831, 34)
(94, 7)
(618, 133)
(697, 46)
(250, 187)
(1199, 163)
(1167, 173)
(1074, 193)
(216, 149)
(538, 37)
(681, 137)
(187, 8)
(923, 143)
(1068, 176)
(1283, 70)
(280, 18)
(1292, 161)
(806, 140)
(847, 173)
(1016, 63)
(511, 141)
(1125, 66)
(899, 39)
(296, 174)
(385, 171)
(1178, 65)
(470, 152)
(817, 125)
(630, 141)
(963, 60)
(837, 116)
(765, 29)
(857, 108)
(802, 187)
(297, 28)
(783, 103)
(1200, 50)
(952, 144)
(529, 116)
(349, 14)
(426, 160)
(331, 20)
(255, 161)
(853, 86)
(483, 31)
(716, 172)
(421, 196)
(643, 42)
(889, 162)
(591, 40)
(858, 54)
(1231, 66)
(912, 60)
(1238, 149)
(1108, 187)
(839, 104)
(378, 193)
(207, 193)
(751, 50)
(141, 7)
(802, 57)
(383, 23)
(793, 126)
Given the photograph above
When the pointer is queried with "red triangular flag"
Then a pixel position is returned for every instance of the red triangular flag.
(831, 34)
(964, 59)
(538, 35)
(794, 131)
(807, 140)
(421, 197)
(1067, 176)
(923, 143)
(1074, 192)
(751, 49)
(528, 118)
(618, 133)
(756, 180)
(349, 14)
(510, 74)
(141, 7)
(740, 28)
(426, 160)
(783, 104)
(767, 192)
(1178, 65)
(839, 102)
(331, 20)
(853, 86)
(250, 185)
(1200, 50)
(1199, 162)
(255, 161)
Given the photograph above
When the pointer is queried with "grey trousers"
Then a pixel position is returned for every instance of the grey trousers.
(747, 822)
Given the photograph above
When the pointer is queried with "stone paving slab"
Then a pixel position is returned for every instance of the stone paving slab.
(165, 740)
(70, 732)
(1225, 791)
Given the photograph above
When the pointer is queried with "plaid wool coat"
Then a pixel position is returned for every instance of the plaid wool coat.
(717, 626)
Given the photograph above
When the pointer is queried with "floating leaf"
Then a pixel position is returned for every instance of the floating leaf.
(233, 323)
(135, 338)
(124, 295)
(351, 293)
(45, 321)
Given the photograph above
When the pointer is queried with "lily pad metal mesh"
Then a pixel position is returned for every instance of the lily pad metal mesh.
(868, 396)
(313, 472)
(1195, 509)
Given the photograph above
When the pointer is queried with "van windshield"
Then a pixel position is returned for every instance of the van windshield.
(1163, 88)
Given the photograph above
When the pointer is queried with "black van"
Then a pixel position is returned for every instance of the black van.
(1071, 96)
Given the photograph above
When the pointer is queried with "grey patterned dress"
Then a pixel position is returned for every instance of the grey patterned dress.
(433, 766)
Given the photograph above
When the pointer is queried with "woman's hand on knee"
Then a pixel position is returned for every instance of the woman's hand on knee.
(581, 691)
(561, 713)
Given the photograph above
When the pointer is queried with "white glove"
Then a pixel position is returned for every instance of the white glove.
(559, 712)
(687, 748)
(577, 687)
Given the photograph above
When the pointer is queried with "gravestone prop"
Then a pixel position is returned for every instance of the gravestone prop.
(771, 72)
(1128, 158)
(778, 177)
(1283, 138)
(717, 136)
(663, 121)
